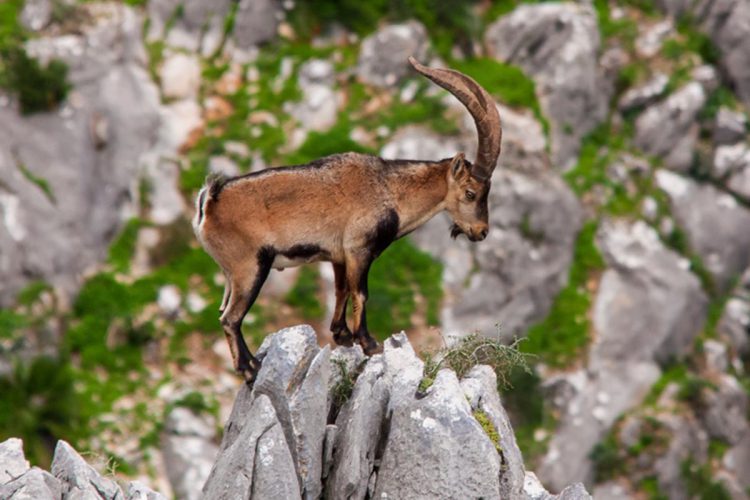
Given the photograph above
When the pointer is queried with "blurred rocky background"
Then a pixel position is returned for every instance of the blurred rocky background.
(619, 250)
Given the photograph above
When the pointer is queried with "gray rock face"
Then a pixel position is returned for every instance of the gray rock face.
(649, 306)
(669, 129)
(436, 449)
(735, 320)
(13, 463)
(557, 45)
(732, 166)
(716, 225)
(730, 126)
(644, 95)
(91, 181)
(138, 491)
(383, 55)
(34, 484)
(36, 14)
(480, 389)
(648, 309)
(727, 22)
(318, 109)
(79, 479)
(198, 27)
(189, 451)
(725, 417)
(256, 22)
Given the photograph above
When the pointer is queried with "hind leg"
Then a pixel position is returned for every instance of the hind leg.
(341, 333)
(227, 293)
(357, 267)
(245, 287)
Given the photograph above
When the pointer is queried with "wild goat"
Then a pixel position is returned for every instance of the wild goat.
(345, 209)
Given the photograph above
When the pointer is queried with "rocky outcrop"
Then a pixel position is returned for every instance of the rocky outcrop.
(647, 311)
(727, 22)
(71, 477)
(70, 176)
(557, 45)
(193, 25)
(286, 439)
(715, 224)
(669, 129)
(383, 55)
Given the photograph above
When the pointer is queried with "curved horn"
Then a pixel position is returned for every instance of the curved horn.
(481, 106)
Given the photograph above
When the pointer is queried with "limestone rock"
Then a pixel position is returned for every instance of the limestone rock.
(13, 463)
(480, 388)
(180, 76)
(92, 186)
(318, 109)
(727, 22)
(256, 22)
(644, 95)
(36, 14)
(557, 45)
(189, 451)
(436, 449)
(735, 320)
(235, 469)
(199, 26)
(714, 222)
(79, 479)
(383, 55)
(730, 126)
(34, 484)
(725, 416)
(669, 129)
(139, 491)
(649, 307)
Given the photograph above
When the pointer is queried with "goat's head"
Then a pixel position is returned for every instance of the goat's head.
(469, 184)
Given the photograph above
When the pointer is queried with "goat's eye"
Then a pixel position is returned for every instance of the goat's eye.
(470, 195)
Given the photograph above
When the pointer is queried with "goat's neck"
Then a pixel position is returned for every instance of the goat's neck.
(419, 190)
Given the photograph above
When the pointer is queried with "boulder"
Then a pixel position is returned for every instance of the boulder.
(13, 463)
(383, 55)
(194, 25)
(180, 76)
(645, 94)
(139, 491)
(557, 45)
(318, 109)
(189, 451)
(256, 22)
(734, 324)
(669, 129)
(76, 181)
(715, 224)
(436, 449)
(725, 414)
(727, 22)
(79, 479)
(730, 126)
(649, 306)
(36, 14)
(34, 484)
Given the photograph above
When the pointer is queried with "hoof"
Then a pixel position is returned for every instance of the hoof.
(249, 372)
(371, 346)
(344, 338)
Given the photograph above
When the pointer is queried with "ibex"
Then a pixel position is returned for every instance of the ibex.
(344, 209)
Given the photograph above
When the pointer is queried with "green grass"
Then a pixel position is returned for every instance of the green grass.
(564, 334)
(525, 402)
(700, 483)
(506, 82)
(395, 277)
(122, 249)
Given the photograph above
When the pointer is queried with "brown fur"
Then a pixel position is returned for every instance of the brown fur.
(345, 209)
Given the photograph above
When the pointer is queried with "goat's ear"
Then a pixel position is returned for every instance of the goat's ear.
(458, 166)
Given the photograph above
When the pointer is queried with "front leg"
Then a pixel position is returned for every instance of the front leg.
(341, 333)
(357, 268)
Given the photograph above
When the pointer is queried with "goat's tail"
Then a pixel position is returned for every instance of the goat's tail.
(208, 193)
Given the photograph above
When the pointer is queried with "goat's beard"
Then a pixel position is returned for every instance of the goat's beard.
(456, 231)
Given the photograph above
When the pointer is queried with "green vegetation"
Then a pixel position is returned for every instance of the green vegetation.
(488, 428)
(448, 23)
(700, 482)
(39, 404)
(343, 388)
(396, 277)
(562, 336)
(606, 459)
(524, 401)
(39, 181)
(123, 247)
